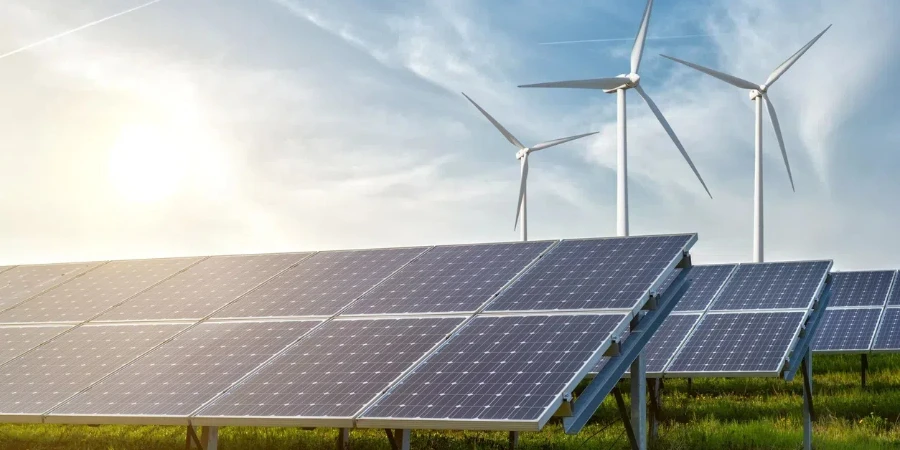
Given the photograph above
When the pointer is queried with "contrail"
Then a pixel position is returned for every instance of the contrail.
(66, 33)
(685, 36)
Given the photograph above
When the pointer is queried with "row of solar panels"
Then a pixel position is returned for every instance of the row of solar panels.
(737, 320)
(480, 336)
(863, 315)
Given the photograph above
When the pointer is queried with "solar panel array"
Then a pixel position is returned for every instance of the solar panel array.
(737, 320)
(436, 335)
(858, 319)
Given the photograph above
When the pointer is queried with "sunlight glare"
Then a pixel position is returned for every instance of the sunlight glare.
(148, 163)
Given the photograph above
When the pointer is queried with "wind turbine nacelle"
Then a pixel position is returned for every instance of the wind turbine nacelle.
(755, 94)
(629, 80)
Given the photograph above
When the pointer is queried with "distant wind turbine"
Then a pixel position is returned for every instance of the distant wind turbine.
(522, 155)
(759, 94)
(619, 85)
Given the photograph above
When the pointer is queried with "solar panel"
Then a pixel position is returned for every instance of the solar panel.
(773, 286)
(846, 330)
(334, 371)
(894, 298)
(449, 279)
(96, 291)
(19, 283)
(738, 344)
(595, 274)
(180, 376)
(706, 281)
(19, 339)
(868, 288)
(888, 334)
(39, 380)
(508, 368)
(322, 284)
(203, 288)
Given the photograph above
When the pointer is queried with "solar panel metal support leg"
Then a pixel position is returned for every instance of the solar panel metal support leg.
(209, 438)
(399, 439)
(626, 420)
(639, 401)
(655, 392)
(513, 440)
(808, 411)
(343, 439)
(863, 368)
(191, 439)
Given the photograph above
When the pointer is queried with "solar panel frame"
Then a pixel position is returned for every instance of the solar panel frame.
(495, 424)
(640, 303)
(846, 350)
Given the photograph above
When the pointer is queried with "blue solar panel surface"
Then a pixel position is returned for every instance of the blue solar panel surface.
(322, 284)
(894, 298)
(595, 274)
(888, 336)
(705, 283)
(772, 286)
(867, 288)
(449, 279)
(846, 330)
(738, 343)
(499, 368)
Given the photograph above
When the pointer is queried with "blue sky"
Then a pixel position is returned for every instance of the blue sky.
(225, 126)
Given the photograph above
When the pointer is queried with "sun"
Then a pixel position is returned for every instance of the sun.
(148, 163)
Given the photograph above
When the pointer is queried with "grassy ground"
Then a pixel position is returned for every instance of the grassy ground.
(716, 413)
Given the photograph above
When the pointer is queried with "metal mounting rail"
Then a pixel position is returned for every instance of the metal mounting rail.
(605, 380)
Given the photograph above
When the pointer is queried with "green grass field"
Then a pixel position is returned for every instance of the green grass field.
(718, 413)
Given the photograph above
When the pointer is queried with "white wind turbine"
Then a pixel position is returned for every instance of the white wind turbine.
(619, 85)
(758, 94)
(522, 155)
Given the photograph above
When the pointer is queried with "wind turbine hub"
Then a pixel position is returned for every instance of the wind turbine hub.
(756, 93)
(521, 153)
(629, 80)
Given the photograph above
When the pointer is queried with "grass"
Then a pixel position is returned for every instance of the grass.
(735, 414)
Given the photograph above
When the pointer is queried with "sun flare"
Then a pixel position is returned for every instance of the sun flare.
(147, 163)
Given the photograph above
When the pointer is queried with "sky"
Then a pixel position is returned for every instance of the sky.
(194, 127)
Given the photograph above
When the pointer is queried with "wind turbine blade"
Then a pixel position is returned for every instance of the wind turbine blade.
(638, 50)
(780, 70)
(730, 79)
(596, 83)
(665, 124)
(521, 189)
(778, 135)
(555, 142)
(509, 137)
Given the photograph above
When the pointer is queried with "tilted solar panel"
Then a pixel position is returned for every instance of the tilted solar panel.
(773, 286)
(738, 344)
(894, 298)
(505, 372)
(887, 338)
(203, 288)
(449, 279)
(332, 373)
(706, 281)
(865, 288)
(39, 380)
(181, 375)
(846, 330)
(19, 283)
(96, 291)
(19, 339)
(595, 274)
(322, 284)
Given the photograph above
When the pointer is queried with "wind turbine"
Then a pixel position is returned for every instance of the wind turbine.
(759, 94)
(619, 85)
(522, 155)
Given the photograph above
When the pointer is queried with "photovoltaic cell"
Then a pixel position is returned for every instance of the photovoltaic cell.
(738, 343)
(894, 299)
(19, 283)
(665, 341)
(335, 370)
(846, 330)
(500, 368)
(203, 288)
(18, 339)
(39, 380)
(705, 283)
(93, 292)
(186, 372)
(449, 279)
(321, 284)
(868, 288)
(888, 335)
(595, 274)
(772, 286)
